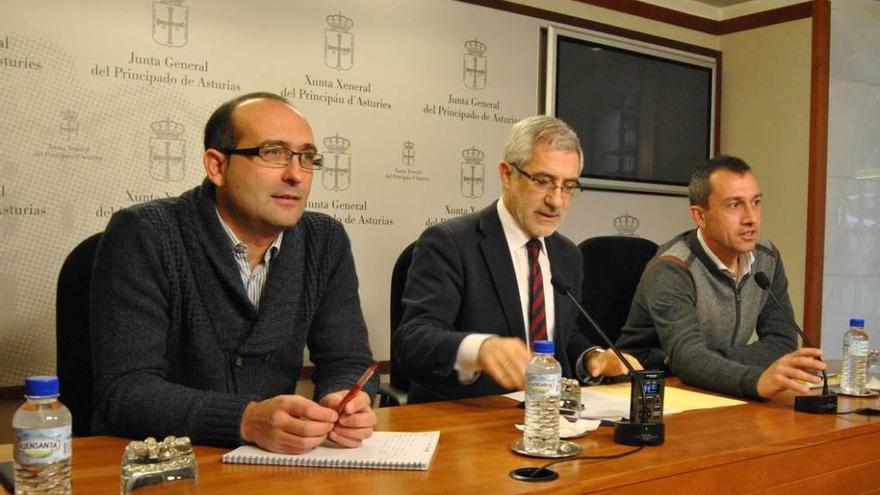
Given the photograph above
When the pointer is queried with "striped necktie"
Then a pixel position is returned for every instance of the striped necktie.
(537, 316)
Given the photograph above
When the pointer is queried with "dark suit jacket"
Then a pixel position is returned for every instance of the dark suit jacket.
(462, 281)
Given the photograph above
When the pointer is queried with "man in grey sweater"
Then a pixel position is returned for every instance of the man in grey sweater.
(697, 305)
(201, 306)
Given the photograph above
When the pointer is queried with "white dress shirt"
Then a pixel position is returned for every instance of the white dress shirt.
(745, 260)
(254, 281)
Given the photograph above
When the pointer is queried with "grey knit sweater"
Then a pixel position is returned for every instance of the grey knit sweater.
(695, 319)
(178, 347)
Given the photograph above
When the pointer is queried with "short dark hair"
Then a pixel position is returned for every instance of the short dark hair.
(220, 132)
(699, 187)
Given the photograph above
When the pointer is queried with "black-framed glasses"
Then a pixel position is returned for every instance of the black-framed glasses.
(548, 185)
(277, 156)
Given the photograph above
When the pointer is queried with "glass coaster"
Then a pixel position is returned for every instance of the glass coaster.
(566, 449)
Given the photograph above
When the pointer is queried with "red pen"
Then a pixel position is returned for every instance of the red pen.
(357, 386)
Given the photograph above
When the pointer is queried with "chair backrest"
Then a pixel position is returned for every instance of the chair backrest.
(72, 342)
(613, 266)
(398, 281)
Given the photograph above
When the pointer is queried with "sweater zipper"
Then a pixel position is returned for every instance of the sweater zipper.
(738, 298)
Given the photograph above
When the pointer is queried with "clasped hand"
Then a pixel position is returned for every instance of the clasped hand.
(504, 359)
(292, 424)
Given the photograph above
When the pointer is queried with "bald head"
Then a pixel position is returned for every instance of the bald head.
(221, 132)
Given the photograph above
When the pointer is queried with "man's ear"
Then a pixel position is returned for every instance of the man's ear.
(698, 215)
(504, 170)
(215, 166)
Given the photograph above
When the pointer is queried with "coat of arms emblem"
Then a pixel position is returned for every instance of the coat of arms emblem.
(336, 174)
(339, 42)
(167, 151)
(69, 124)
(408, 155)
(473, 173)
(170, 23)
(474, 69)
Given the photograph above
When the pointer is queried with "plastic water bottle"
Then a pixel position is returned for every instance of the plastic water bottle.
(543, 386)
(855, 358)
(42, 429)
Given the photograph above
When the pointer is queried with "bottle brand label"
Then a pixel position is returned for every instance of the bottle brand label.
(543, 385)
(859, 348)
(42, 446)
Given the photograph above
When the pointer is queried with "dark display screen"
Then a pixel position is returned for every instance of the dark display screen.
(640, 118)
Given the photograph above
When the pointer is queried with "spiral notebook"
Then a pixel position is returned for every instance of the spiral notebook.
(384, 450)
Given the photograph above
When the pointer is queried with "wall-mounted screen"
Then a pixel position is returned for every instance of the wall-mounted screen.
(644, 113)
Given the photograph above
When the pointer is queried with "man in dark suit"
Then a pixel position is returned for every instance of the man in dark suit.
(479, 293)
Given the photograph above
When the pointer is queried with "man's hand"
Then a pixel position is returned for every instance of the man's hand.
(608, 364)
(504, 359)
(356, 421)
(785, 372)
(287, 424)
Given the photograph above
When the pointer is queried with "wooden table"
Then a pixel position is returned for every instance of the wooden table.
(756, 447)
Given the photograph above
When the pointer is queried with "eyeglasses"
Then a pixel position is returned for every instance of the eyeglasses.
(277, 156)
(547, 184)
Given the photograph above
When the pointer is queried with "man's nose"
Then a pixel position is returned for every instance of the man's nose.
(749, 214)
(555, 197)
(293, 172)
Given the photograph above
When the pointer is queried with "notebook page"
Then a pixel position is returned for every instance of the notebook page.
(384, 450)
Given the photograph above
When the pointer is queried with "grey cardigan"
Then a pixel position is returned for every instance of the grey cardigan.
(696, 320)
(178, 347)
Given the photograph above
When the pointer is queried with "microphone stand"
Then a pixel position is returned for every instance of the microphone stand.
(813, 404)
(636, 431)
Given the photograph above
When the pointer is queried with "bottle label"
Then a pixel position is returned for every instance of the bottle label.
(858, 348)
(42, 445)
(543, 385)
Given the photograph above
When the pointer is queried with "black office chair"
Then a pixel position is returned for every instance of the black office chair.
(395, 395)
(613, 266)
(72, 343)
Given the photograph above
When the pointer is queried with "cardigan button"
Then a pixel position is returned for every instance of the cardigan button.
(238, 361)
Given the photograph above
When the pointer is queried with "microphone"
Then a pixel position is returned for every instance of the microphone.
(645, 425)
(815, 404)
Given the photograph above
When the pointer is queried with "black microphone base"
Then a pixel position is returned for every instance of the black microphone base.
(626, 433)
(816, 404)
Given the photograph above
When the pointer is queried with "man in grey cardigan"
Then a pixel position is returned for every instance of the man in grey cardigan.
(202, 305)
(697, 305)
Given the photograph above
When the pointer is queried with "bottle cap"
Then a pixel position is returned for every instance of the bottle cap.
(41, 386)
(545, 347)
(857, 322)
